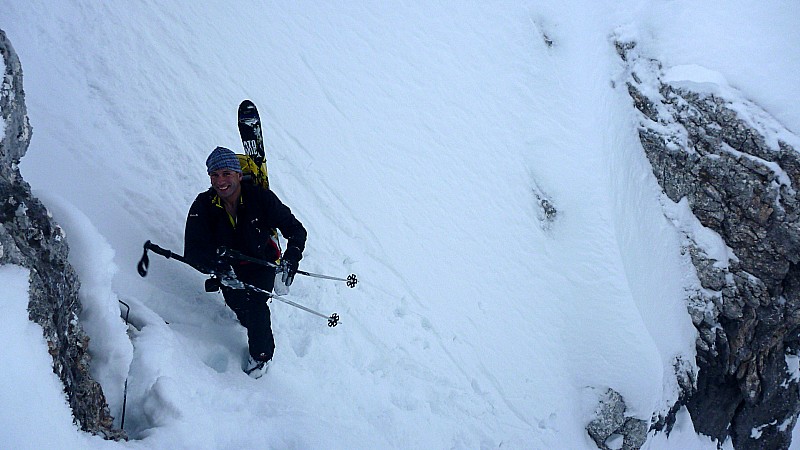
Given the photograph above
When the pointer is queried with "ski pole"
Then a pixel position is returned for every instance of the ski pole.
(333, 319)
(228, 280)
(144, 263)
(226, 252)
(125, 392)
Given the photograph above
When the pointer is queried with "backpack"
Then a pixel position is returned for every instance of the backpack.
(252, 172)
(257, 174)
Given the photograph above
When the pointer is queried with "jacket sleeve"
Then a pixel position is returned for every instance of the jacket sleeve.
(198, 248)
(281, 217)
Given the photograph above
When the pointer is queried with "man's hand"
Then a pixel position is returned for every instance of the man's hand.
(223, 275)
(290, 261)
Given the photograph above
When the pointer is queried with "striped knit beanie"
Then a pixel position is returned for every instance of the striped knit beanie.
(223, 158)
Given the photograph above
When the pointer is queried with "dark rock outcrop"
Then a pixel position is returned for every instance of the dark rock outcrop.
(610, 425)
(739, 178)
(30, 238)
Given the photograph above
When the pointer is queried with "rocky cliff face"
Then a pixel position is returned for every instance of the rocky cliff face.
(730, 162)
(30, 238)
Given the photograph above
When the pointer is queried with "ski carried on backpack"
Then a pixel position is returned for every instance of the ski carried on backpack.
(254, 160)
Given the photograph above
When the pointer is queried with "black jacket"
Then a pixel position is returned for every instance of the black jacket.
(208, 227)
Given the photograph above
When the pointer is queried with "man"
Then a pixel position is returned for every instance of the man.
(241, 217)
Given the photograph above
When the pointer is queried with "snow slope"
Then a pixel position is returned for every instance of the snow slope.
(411, 141)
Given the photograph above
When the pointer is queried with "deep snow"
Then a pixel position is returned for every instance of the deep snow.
(411, 141)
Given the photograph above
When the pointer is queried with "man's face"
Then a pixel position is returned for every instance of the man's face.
(227, 183)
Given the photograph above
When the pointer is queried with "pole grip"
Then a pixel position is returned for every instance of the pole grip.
(158, 250)
(144, 263)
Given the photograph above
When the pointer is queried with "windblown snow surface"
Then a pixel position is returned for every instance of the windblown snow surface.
(413, 140)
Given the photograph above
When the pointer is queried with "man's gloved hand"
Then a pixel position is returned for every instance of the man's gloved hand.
(220, 267)
(290, 261)
(224, 275)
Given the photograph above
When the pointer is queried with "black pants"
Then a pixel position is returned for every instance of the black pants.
(252, 310)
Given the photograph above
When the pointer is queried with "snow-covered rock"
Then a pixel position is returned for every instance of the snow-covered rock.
(737, 170)
(30, 238)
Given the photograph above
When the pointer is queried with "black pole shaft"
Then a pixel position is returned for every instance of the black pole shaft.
(125, 392)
